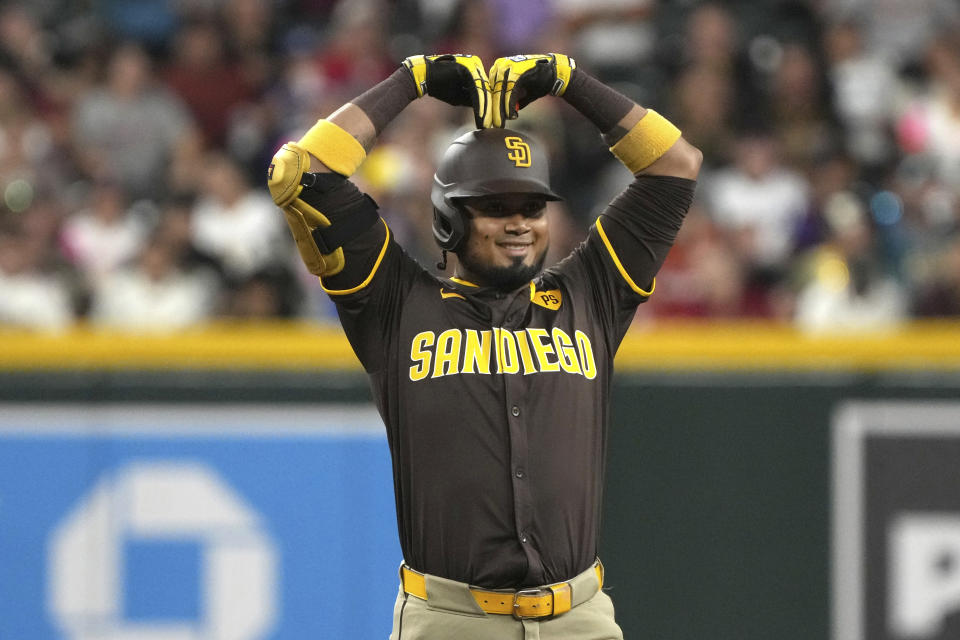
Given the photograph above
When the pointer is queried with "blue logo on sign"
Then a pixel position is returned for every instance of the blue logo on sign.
(212, 522)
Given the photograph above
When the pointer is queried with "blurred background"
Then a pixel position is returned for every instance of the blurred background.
(160, 338)
(134, 138)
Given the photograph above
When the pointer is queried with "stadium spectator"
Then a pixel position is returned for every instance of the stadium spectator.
(611, 36)
(151, 22)
(356, 55)
(235, 223)
(473, 26)
(865, 90)
(27, 145)
(134, 131)
(800, 109)
(713, 87)
(521, 26)
(919, 217)
(105, 235)
(705, 102)
(154, 294)
(940, 294)
(758, 202)
(272, 292)
(250, 26)
(175, 227)
(201, 76)
(931, 123)
(897, 29)
(24, 47)
(30, 295)
(847, 288)
(833, 174)
(702, 276)
(712, 38)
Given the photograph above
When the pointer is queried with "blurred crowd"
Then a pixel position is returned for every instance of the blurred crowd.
(135, 136)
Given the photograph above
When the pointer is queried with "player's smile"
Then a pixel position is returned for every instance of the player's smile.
(515, 247)
(507, 241)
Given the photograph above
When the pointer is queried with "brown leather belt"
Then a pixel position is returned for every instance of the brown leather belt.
(539, 602)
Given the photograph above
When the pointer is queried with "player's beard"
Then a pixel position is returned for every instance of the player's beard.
(504, 278)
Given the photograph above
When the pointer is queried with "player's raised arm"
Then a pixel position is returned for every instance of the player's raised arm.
(308, 178)
(640, 225)
(641, 138)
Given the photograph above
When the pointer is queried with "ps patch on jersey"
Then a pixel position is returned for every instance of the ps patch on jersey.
(551, 299)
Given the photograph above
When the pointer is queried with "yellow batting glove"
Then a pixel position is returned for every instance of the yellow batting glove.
(456, 79)
(519, 80)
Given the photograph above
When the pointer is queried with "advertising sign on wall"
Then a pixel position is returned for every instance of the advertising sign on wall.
(897, 521)
(170, 522)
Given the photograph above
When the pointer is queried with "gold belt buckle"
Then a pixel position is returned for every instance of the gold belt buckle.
(529, 592)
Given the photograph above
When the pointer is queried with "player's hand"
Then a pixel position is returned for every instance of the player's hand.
(519, 80)
(456, 79)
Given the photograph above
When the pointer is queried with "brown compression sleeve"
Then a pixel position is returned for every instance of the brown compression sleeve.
(647, 213)
(385, 100)
(600, 104)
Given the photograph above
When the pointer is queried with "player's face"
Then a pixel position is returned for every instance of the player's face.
(507, 242)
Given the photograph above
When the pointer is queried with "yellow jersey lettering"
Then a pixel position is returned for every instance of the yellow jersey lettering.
(507, 360)
(519, 151)
(447, 359)
(476, 357)
(525, 356)
(567, 353)
(588, 364)
(535, 350)
(419, 354)
(543, 350)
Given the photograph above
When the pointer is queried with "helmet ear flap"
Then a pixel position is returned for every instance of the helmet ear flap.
(450, 227)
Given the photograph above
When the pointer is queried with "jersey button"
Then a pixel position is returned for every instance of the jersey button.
(515, 411)
(523, 538)
(519, 473)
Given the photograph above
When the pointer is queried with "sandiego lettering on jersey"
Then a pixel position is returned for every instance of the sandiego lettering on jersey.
(500, 351)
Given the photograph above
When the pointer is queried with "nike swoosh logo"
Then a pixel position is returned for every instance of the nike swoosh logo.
(450, 294)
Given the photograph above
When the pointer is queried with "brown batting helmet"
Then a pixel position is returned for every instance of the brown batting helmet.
(484, 162)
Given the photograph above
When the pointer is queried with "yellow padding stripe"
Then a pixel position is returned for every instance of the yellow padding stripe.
(376, 265)
(223, 346)
(334, 147)
(649, 139)
(665, 345)
(616, 261)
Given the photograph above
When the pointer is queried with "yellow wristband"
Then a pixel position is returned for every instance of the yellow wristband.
(646, 141)
(334, 147)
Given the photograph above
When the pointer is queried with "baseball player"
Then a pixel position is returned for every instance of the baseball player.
(493, 384)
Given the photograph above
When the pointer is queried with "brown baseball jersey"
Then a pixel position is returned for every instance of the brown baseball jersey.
(495, 403)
